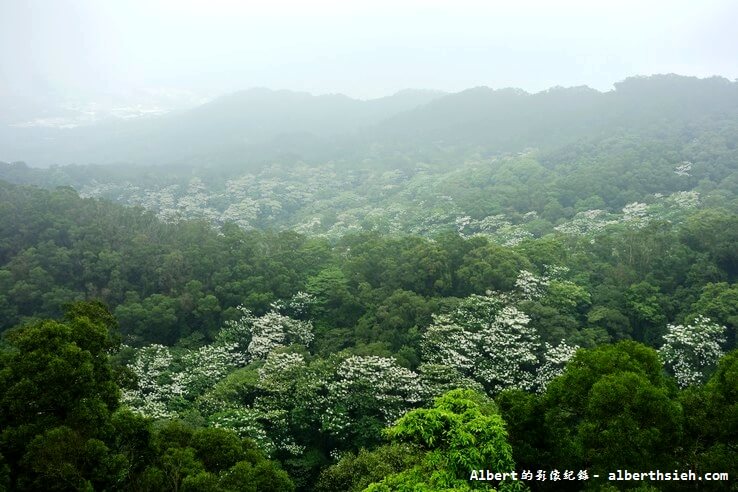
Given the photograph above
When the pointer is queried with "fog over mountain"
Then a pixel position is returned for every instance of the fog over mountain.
(75, 61)
(253, 126)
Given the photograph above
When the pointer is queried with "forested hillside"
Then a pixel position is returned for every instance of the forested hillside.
(658, 144)
(460, 294)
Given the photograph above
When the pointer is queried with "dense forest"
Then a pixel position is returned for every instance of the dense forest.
(404, 314)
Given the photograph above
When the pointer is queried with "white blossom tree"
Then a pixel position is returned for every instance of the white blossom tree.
(166, 376)
(691, 351)
(529, 286)
(491, 342)
(554, 361)
(683, 169)
(259, 335)
(157, 383)
(207, 365)
(374, 389)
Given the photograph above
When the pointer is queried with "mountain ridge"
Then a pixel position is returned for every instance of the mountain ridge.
(259, 124)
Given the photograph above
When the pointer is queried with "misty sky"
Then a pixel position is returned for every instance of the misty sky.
(55, 50)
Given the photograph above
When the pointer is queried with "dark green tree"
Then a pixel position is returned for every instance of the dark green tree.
(57, 397)
(613, 407)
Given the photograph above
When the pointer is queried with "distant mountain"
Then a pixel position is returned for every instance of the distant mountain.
(248, 118)
(259, 125)
(512, 119)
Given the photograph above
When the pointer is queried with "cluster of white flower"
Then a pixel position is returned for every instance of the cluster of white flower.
(587, 222)
(308, 227)
(302, 197)
(683, 169)
(275, 330)
(164, 203)
(462, 223)
(508, 356)
(665, 207)
(488, 225)
(259, 335)
(635, 212)
(555, 272)
(204, 367)
(157, 384)
(492, 343)
(451, 345)
(691, 350)
(297, 306)
(164, 377)
(243, 213)
(237, 331)
(267, 333)
(685, 199)
(238, 188)
(529, 286)
(336, 455)
(512, 235)
(362, 382)
(267, 418)
(554, 360)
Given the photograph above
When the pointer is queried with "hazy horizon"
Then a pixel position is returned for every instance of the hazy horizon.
(75, 113)
(84, 57)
